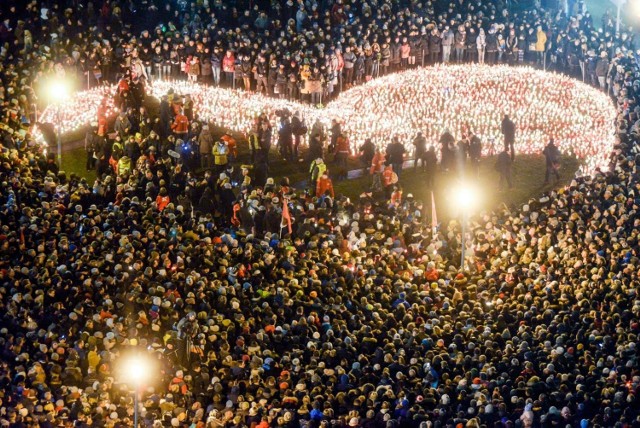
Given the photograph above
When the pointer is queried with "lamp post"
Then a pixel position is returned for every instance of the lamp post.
(465, 197)
(619, 5)
(58, 92)
(136, 372)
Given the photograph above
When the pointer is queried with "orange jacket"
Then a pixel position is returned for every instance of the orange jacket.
(342, 145)
(235, 221)
(232, 145)
(432, 274)
(114, 165)
(396, 198)
(387, 176)
(179, 385)
(377, 163)
(123, 86)
(324, 183)
(162, 202)
(102, 126)
(180, 124)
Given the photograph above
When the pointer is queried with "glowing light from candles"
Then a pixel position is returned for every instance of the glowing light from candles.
(543, 105)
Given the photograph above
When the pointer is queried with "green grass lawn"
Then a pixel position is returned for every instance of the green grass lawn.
(528, 177)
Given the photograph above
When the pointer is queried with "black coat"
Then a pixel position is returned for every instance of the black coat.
(508, 130)
(395, 153)
(435, 43)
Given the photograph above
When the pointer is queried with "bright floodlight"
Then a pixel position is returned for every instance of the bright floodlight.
(465, 196)
(136, 369)
(58, 90)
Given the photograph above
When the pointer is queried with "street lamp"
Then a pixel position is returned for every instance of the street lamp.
(619, 5)
(136, 369)
(58, 91)
(465, 197)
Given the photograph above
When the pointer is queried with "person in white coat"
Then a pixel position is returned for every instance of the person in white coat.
(481, 43)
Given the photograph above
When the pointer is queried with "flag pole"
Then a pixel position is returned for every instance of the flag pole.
(434, 217)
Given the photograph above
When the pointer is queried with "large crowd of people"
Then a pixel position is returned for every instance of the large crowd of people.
(258, 304)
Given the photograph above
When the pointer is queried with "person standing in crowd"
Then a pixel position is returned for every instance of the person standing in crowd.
(552, 158)
(395, 48)
(342, 152)
(220, 156)
(446, 150)
(471, 46)
(349, 59)
(316, 170)
(448, 40)
(419, 150)
(508, 129)
(317, 137)
(122, 125)
(281, 81)
(193, 69)
(216, 65)
(376, 170)
(389, 180)
(430, 163)
(367, 152)
(188, 329)
(475, 153)
(261, 157)
(481, 44)
(502, 48)
(261, 75)
(541, 45)
(205, 143)
(180, 125)
(246, 66)
(90, 146)
(324, 186)
(206, 70)
(512, 45)
(503, 166)
(395, 155)
(491, 46)
(299, 129)
(336, 130)
(405, 53)
(460, 41)
(293, 81)
(602, 69)
(285, 138)
(229, 68)
(435, 46)
(385, 58)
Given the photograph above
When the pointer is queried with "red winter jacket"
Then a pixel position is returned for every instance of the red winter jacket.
(229, 63)
(180, 124)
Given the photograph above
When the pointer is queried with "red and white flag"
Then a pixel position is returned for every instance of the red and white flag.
(286, 215)
(434, 217)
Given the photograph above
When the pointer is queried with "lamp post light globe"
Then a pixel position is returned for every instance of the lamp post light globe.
(136, 370)
(465, 197)
(58, 91)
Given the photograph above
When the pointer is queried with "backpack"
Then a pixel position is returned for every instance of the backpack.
(302, 129)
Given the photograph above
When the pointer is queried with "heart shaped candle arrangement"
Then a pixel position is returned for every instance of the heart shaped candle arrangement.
(543, 105)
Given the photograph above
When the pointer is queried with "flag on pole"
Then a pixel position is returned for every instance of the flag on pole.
(286, 215)
(434, 217)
